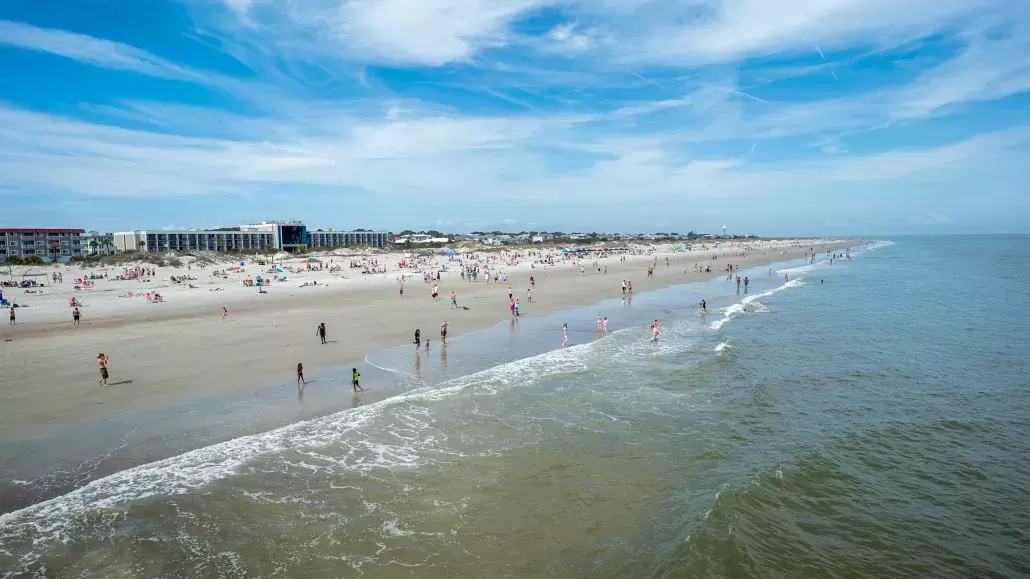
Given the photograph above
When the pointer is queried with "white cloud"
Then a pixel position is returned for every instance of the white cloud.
(95, 51)
(719, 31)
(425, 32)
(567, 37)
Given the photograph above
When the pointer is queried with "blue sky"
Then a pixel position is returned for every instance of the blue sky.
(801, 117)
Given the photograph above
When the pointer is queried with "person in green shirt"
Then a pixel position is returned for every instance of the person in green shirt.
(354, 380)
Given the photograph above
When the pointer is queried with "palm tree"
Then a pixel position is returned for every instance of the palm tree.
(93, 246)
(142, 245)
(105, 243)
(55, 249)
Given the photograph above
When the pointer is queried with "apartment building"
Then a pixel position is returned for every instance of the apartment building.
(48, 244)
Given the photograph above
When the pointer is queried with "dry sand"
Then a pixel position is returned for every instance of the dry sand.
(163, 354)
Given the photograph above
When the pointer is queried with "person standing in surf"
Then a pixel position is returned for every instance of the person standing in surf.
(443, 334)
(300, 375)
(355, 377)
(564, 335)
(704, 307)
(418, 338)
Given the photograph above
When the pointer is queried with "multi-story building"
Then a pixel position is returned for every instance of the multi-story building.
(193, 240)
(48, 244)
(96, 243)
(291, 236)
(330, 238)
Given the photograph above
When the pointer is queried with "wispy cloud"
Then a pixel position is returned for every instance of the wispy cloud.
(95, 51)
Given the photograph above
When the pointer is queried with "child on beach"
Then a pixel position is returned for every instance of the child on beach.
(355, 376)
(300, 375)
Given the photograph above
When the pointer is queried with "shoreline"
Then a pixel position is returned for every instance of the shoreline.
(578, 290)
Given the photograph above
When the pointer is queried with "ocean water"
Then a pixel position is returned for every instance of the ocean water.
(867, 418)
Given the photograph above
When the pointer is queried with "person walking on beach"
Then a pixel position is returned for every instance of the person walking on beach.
(12, 320)
(300, 375)
(623, 287)
(321, 332)
(354, 380)
(529, 295)
(564, 335)
(225, 313)
(75, 317)
(454, 298)
(102, 361)
(517, 308)
(511, 306)
(418, 339)
(509, 294)
(402, 290)
(443, 334)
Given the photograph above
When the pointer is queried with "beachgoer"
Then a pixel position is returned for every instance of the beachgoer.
(355, 377)
(102, 361)
(517, 308)
(402, 290)
(454, 298)
(704, 307)
(12, 320)
(443, 334)
(418, 339)
(529, 295)
(604, 325)
(225, 313)
(564, 335)
(321, 332)
(300, 375)
(75, 316)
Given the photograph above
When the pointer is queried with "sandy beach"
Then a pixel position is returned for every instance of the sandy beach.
(168, 352)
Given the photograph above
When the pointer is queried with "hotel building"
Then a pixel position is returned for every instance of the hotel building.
(330, 238)
(48, 244)
(291, 236)
(193, 240)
